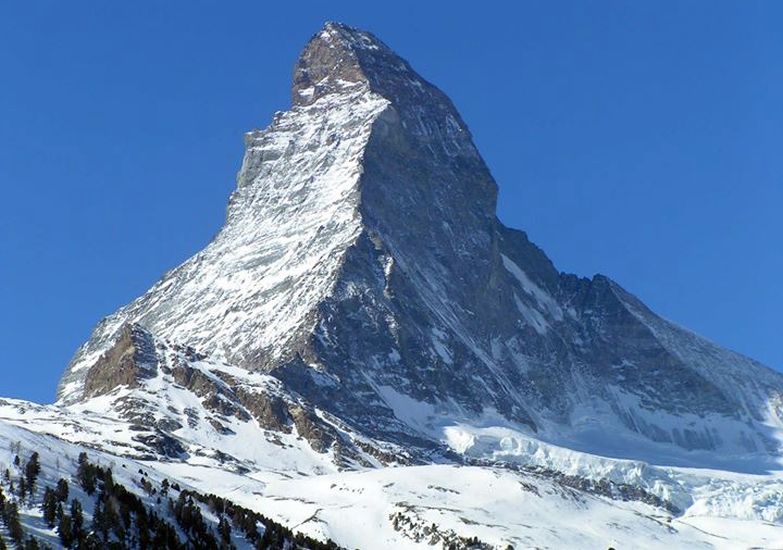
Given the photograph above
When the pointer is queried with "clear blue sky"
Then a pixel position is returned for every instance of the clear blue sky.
(643, 140)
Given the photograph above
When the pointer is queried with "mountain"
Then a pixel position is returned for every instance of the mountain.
(363, 307)
(362, 265)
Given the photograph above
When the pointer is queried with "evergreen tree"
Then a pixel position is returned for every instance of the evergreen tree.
(111, 517)
(11, 516)
(106, 476)
(99, 525)
(90, 542)
(62, 490)
(77, 519)
(224, 528)
(49, 507)
(65, 530)
(32, 469)
(22, 488)
(87, 474)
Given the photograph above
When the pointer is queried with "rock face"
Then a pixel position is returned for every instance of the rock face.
(362, 266)
(128, 362)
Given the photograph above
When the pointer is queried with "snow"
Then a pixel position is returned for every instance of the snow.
(59, 459)
(541, 296)
(438, 338)
(290, 220)
(498, 506)
(412, 412)
(531, 316)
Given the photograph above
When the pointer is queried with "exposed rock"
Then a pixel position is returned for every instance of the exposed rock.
(131, 359)
(215, 396)
(308, 426)
(270, 411)
(163, 444)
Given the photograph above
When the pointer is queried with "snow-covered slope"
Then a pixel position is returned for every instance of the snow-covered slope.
(171, 403)
(416, 506)
(398, 507)
(128, 504)
(363, 308)
(245, 296)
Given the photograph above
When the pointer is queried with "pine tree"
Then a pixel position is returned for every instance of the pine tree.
(11, 516)
(65, 530)
(49, 507)
(62, 490)
(22, 488)
(224, 528)
(99, 525)
(77, 519)
(86, 474)
(31, 470)
(111, 518)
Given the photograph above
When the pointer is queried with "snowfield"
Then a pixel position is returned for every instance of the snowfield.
(427, 506)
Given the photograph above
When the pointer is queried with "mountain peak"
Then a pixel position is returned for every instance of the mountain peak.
(351, 37)
(334, 59)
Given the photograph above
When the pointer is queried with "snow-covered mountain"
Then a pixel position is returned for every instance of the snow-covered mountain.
(364, 317)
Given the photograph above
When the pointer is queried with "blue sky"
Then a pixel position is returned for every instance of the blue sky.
(641, 140)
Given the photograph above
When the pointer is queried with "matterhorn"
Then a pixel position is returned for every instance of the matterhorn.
(366, 357)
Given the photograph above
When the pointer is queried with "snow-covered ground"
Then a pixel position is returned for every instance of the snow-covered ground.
(153, 486)
(423, 506)
(427, 506)
(59, 459)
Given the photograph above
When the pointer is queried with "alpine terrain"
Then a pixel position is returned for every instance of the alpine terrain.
(366, 356)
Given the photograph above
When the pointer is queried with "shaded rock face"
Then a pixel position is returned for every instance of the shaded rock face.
(362, 265)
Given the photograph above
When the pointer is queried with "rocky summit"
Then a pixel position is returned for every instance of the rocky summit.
(364, 307)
